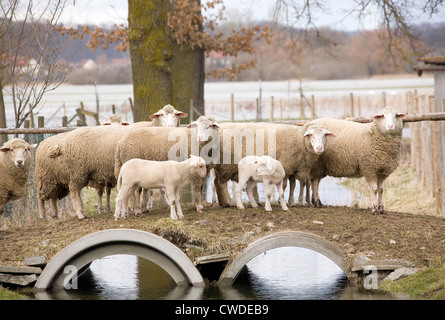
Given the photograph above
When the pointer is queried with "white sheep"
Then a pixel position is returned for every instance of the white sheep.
(291, 145)
(265, 169)
(68, 162)
(162, 144)
(146, 174)
(15, 161)
(370, 150)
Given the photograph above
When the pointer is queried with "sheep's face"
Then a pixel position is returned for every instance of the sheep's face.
(18, 151)
(265, 166)
(115, 119)
(168, 116)
(389, 121)
(206, 127)
(317, 138)
(198, 165)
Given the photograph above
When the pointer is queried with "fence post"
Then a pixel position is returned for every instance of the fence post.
(232, 107)
(351, 104)
(426, 156)
(436, 159)
(271, 108)
(313, 107)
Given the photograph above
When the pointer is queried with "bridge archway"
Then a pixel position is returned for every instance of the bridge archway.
(283, 239)
(82, 252)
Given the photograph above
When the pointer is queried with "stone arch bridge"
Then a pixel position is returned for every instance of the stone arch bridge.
(77, 256)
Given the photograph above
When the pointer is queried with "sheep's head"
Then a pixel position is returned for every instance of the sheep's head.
(18, 151)
(206, 126)
(168, 116)
(389, 121)
(198, 166)
(317, 136)
(265, 166)
(115, 119)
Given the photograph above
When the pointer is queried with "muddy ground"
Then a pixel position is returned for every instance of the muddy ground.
(418, 239)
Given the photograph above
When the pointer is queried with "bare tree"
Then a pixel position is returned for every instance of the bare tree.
(29, 65)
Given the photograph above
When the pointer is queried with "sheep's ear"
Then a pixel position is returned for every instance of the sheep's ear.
(400, 115)
(32, 146)
(125, 123)
(181, 114)
(215, 125)
(378, 116)
(192, 125)
(155, 115)
(108, 123)
(5, 149)
(308, 133)
(270, 165)
(330, 134)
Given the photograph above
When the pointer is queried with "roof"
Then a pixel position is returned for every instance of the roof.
(431, 64)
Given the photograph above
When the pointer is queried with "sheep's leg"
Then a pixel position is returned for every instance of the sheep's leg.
(281, 196)
(146, 200)
(118, 210)
(42, 211)
(267, 193)
(77, 203)
(239, 189)
(55, 211)
(315, 196)
(373, 183)
(165, 196)
(300, 194)
(249, 189)
(99, 192)
(171, 196)
(308, 192)
(178, 204)
(292, 183)
(256, 195)
(137, 198)
(198, 197)
(108, 190)
(380, 181)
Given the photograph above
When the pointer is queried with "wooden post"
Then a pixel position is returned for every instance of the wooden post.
(281, 109)
(313, 107)
(271, 108)
(64, 121)
(232, 107)
(417, 144)
(426, 156)
(436, 160)
(410, 104)
(384, 99)
(351, 104)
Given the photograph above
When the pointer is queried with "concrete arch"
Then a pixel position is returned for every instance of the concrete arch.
(82, 252)
(283, 239)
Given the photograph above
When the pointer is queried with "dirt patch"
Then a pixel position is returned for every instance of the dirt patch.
(416, 238)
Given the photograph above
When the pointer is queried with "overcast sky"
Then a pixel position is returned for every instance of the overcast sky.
(115, 11)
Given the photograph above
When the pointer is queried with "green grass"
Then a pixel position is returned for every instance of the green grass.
(425, 284)
(6, 294)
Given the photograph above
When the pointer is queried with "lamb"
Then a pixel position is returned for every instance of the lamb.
(68, 162)
(297, 148)
(146, 174)
(160, 144)
(15, 161)
(265, 169)
(369, 150)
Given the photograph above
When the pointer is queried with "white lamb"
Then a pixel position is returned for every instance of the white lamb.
(265, 169)
(146, 174)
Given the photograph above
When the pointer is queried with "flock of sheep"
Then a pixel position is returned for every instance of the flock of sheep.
(142, 156)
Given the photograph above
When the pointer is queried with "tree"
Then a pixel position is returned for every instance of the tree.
(29, 64)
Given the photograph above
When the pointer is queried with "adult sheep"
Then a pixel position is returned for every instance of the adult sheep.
(15, 161)
(162, 144)
(296, 147)
(370, 150)
(68, 162)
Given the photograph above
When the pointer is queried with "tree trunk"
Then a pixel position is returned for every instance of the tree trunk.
(3, 137)
(164, 72)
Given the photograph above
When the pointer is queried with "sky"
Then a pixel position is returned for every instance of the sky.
(101, 12)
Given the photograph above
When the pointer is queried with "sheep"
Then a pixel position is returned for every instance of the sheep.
(146, 174)
(15, 161)
(68, 162)
(160, 144)
(292, 145)
(370, 150)
(265, 169)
